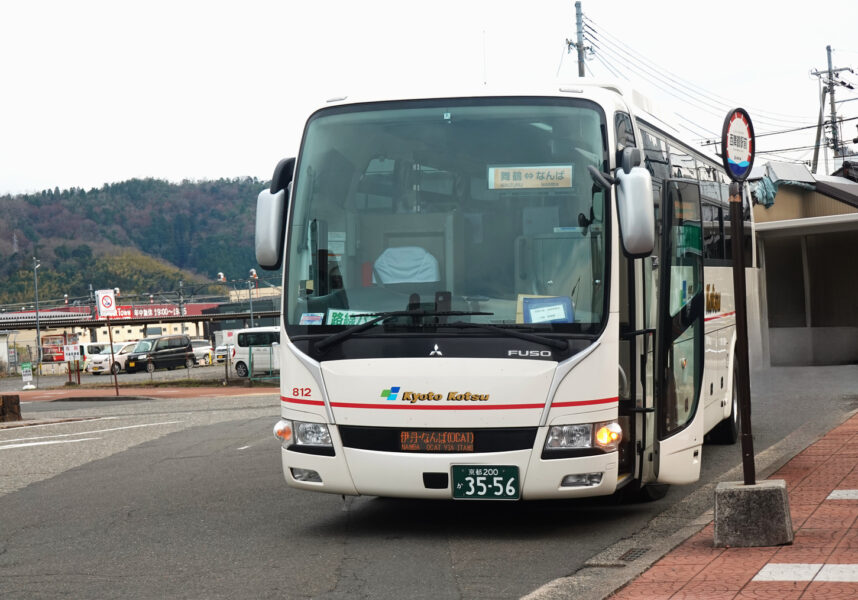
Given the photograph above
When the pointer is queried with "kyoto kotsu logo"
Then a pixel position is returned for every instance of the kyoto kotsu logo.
(414, 397)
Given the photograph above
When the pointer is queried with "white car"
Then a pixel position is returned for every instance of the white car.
(100, 363)
(256, 348)
(203, 352)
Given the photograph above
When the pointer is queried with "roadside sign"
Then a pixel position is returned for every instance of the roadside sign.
(106, 303)
(71, 352)
(27, 372)
(737, 144)
(13, 356)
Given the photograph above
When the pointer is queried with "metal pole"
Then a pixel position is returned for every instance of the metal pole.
(579, 21)
(36, 265)
(743, 375)
(250, 296)
(110, 336)
(182, 303)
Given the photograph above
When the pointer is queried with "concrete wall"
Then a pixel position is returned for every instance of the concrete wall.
(792, 346)
(809, 299)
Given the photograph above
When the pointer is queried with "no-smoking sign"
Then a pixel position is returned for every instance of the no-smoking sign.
(106, 302)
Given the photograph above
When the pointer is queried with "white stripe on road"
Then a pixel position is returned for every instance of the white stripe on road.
(244, 447)
(833, 572)
(58, 435)
(788, 572)
(843, 495)
(10, 446)
(808, 572)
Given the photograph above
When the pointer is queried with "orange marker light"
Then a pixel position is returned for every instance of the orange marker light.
(609, 436)
(283, 431)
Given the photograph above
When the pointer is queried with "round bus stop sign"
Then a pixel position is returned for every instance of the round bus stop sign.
(737, 144)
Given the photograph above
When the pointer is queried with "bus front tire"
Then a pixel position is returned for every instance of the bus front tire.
(635, 493)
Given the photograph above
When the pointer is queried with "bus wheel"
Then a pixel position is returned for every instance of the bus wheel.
(727, 431)
(635, 492)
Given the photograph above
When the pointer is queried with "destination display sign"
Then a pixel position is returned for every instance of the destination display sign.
(530, 177)
(436, 441)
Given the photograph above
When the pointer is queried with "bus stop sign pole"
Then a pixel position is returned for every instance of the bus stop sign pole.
(737, 152)
(743, 374)
(748, 514)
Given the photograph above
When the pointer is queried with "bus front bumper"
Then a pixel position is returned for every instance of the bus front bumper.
(396, 474)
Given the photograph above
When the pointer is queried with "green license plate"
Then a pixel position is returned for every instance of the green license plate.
(485, 482)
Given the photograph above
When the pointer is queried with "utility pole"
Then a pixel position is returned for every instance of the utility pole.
(579, 21)
(833, 109)
(830, 80)
(579, 44)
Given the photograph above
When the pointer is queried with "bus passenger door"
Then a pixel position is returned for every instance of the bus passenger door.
(678, 368)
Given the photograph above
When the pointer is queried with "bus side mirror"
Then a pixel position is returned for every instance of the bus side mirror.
(271, 207)
(635, 211)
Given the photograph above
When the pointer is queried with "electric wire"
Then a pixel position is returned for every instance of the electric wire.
(773, 116)
(689, 93)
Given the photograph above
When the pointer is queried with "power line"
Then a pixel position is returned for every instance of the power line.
(723, 103)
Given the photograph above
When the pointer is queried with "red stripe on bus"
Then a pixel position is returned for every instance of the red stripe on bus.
(586, 402)
(720, 316)
(448, 407)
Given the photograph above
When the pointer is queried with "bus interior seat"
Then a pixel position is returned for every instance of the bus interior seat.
(405, 264)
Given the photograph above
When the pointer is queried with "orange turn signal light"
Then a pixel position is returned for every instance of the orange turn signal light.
(283, 431)
(609, 436)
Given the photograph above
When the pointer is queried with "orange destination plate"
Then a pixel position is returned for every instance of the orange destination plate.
(436, 441)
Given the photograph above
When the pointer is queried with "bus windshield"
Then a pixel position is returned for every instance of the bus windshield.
(477, 205)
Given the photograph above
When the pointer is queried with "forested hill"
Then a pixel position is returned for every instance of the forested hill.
(142, 236)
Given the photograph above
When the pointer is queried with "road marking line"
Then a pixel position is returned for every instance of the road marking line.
(10, 446)
(44, 437)
(843, 495)
(244, 447)
(788, 572)
(847, 573)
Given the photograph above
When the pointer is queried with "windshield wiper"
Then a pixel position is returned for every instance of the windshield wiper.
(383, 316)
(523, 335)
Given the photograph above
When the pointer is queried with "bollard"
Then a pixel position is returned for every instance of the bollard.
(10, 408)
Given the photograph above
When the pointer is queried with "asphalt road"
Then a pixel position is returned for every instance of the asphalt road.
(184, 498)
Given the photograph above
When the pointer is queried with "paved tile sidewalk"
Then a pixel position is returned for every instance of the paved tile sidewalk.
(822, 487)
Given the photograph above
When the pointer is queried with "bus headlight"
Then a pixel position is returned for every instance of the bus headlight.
(312, 434)
(569, 436)
(605, 436)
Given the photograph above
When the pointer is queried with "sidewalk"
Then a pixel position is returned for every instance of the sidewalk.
(137, 393)
(822, 483)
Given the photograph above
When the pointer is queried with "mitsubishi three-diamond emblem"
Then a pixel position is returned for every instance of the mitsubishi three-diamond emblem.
(436, 352)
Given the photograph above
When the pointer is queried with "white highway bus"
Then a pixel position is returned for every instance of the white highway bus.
(500, 296)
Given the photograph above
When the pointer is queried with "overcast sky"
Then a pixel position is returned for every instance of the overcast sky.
(99, 92)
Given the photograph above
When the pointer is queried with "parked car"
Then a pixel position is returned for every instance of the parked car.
(203, 352)
(165, 352)
(254, 350)
(222, 352)
(89, 349)
(100, 363)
